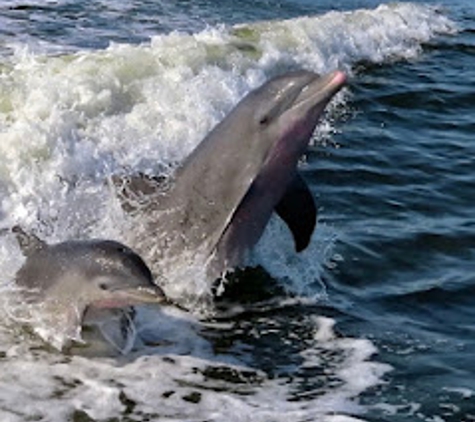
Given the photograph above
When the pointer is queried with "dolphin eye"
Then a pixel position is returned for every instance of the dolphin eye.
(264, 120)
(103, 283)
(122, 249)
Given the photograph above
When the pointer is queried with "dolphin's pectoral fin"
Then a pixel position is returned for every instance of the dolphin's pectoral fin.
(298, 210)
(29, 243)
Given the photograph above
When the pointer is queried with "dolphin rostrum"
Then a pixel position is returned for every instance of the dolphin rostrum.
(70, 279)
(218, 202)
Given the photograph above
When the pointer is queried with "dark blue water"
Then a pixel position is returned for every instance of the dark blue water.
(398, 190)
(401, 189)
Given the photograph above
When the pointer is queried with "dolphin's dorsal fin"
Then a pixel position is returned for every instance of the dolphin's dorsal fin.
(29, 243)
(298, 210)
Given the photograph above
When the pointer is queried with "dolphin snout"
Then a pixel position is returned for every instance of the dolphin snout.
(131, 296)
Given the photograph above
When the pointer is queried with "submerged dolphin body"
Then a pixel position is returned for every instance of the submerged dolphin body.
(222, 196)
(74, 279)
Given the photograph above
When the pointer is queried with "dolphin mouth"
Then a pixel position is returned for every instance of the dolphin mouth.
(303, 112)
(133, 296)
(153, 294)
(318, 92)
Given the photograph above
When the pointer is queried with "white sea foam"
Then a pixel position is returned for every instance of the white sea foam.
(68, 122)
(183, 379)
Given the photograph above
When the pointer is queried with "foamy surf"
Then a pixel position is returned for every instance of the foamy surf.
(186, 380)
(70, 121)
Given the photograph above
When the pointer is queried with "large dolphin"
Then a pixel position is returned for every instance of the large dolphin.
(70, 280)
(217, 204)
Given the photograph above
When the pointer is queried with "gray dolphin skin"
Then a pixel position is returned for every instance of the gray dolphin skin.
(222, 196)
(73, 276)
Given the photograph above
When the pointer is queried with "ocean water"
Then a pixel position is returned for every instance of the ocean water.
(373, 322)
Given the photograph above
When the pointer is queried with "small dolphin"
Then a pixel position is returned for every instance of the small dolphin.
(221, 198)
(74, 278)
